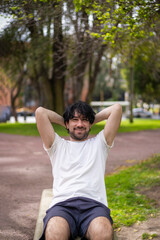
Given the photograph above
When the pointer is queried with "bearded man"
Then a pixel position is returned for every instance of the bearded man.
(79, 206)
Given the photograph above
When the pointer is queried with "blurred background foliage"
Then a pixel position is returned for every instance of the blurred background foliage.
(55, 52)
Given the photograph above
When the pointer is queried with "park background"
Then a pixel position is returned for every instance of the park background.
(55, 52)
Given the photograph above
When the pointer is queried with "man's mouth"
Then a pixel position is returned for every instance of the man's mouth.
(79, 129)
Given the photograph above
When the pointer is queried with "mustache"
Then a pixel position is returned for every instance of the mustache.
(79, 128)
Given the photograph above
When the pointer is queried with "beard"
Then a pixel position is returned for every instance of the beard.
(79, 137)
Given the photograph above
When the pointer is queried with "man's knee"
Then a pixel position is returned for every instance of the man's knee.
(57, 228)
(100, 228)
(103, 232)
(106, 234)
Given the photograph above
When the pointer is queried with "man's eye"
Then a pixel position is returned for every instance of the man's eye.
(74, 119)
(85, 119)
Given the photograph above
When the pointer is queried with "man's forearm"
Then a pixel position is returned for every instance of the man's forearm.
(44, 119)
(52, 116)
(105, 113)
(113, 115)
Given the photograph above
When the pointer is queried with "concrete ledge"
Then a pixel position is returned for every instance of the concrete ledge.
(44, 205)
(46, 199)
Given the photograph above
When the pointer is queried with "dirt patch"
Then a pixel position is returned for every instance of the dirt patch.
(153, 194)
(135, 232)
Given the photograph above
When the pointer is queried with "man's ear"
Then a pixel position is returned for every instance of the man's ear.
(67, 125)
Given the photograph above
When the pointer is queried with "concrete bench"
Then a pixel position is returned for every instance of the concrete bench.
(44, 205)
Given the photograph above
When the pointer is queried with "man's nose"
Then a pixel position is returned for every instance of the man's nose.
(80, 122)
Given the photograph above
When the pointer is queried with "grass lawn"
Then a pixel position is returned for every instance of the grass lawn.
(30, 129)
(27, 129)
(123, 189)
(126, 126)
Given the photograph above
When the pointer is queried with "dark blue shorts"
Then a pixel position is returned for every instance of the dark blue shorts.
(78, 212)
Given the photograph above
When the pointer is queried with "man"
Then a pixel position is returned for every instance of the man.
(79, 206)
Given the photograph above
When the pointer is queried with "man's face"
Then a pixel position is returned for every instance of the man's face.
(78, 127)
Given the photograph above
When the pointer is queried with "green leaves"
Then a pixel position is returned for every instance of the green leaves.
(122, 17)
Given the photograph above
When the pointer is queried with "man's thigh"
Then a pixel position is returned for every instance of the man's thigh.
(100, 228)
(57, 228)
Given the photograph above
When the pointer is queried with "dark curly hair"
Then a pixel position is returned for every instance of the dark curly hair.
(82, 108)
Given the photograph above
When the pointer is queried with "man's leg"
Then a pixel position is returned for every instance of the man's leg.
(100, 228)
(57, 229)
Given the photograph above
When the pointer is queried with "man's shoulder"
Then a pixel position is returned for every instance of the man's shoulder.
(99, 135)
(61, 139)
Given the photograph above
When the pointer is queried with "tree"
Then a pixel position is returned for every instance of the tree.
(68, 53)
(12, 62)
(67, 39)
(147, 72)
(109, 84)
(124, 21)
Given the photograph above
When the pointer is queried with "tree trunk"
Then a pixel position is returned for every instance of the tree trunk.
(85, 89)
(13, 108)
(15, 91)
(59, 62)
(59, 96)
(131, 88)
(46, 93)
(93, 75)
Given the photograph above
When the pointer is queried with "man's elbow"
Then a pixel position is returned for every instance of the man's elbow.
(118, 111)
(118, 107)
(39, 111)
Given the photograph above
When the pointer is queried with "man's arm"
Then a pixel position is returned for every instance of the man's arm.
(44, 118)
(113, 115)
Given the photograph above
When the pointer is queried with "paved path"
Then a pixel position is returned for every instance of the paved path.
(25, 171)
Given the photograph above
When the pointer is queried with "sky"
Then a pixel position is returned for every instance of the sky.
(3, 22)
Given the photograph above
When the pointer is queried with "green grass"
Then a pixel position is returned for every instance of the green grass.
(27, 129)
(139, 125)
(30, 129)
(149, 236)
(126, 126)
(123, 190)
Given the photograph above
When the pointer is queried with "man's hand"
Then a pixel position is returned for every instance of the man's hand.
(113, 115)
(44, 118)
